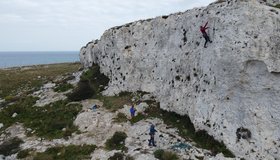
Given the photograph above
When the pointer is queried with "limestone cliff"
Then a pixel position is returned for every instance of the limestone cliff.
(230, 89)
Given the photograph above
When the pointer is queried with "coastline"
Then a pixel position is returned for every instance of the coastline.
(38, 65)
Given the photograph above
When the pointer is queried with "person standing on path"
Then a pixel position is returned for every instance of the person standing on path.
(132, 111)
(152, 135)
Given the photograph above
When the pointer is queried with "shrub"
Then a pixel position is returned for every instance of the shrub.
(10, 99)
(120, 118)
(63, 87)
(117, 156)
(10, 146)
(129, 158)
(277, 6)
(165, 155)
(158, 153)
(71, 152)
(81, 92)
(137, 118)
(92, 83)
(97, 80)
(24, 153)
(117, 141)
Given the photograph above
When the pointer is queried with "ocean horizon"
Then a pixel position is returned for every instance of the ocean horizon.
(27, 58)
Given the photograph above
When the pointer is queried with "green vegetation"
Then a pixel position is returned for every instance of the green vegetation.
(117, 141)
(114, 103)
(187, 130)
(117, 156)
(120, 118)
(92, 83)
(10, 146)
(17, 80)
(63, 87)
(52, 121)
(120, 156)
(165, 155)
(219, 1)
(277, 6)
(81, 92)
(137, 118)
(128, 157)
(70, 152)
(24, 153)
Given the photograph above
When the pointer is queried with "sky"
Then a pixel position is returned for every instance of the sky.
(67, 25)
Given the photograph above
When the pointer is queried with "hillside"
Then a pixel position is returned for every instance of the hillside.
(229, 89)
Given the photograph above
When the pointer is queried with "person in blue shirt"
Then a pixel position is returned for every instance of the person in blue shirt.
(94, 107)
(132, 111)
(152, 135)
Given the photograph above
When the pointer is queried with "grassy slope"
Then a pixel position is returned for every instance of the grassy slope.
(14, 80)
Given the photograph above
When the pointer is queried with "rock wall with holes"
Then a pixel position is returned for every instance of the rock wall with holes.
(231, 89)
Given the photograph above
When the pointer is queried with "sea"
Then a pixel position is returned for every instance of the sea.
(18, 59)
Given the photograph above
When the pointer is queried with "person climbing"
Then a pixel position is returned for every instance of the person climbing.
(132, 111)
(152, 135)
(205, 35)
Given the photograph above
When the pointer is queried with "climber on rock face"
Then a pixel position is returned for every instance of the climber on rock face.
(203, 31)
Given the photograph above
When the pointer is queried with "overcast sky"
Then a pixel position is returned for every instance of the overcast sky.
(67, 25)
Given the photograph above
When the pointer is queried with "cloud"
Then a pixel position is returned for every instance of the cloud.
(47, 21)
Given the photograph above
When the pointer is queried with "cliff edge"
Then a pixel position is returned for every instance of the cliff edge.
(231, 89)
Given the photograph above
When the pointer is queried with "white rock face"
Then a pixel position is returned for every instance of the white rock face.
(230, 89)
(47, 95)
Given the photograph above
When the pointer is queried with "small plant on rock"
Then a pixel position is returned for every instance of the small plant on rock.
(24, 153)
(120, 118)
(63, 87)
(117, 141)
(10, 146)
(117, 156)
(165, 155)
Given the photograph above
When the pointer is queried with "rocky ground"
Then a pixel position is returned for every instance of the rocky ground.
(97, 126)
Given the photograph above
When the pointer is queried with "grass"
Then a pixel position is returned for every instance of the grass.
(51, 121)
(10, 146)
(16, 80)
(113, 103)
(165, 155)
(116, 142)
(63, 87)
(70, 152)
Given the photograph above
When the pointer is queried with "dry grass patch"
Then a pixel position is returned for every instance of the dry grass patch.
(24, 79)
